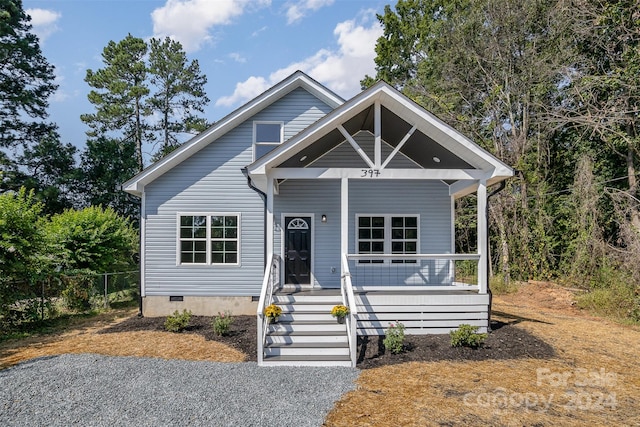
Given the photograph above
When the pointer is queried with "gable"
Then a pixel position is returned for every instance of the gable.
(406, 137)
(301, 113)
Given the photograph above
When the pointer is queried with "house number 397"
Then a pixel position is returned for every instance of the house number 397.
(370, 173)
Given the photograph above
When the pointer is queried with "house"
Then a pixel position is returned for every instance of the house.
(306, 200)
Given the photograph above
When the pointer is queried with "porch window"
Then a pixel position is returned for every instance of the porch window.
(209, 239)
(387, 234)
(266, 137)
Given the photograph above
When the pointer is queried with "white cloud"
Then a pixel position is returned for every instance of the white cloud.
(297, 11)
(190, 21)
(44, 22)
(340, 70)
(237, 57)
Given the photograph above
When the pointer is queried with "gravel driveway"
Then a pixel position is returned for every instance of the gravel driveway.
(94, 390)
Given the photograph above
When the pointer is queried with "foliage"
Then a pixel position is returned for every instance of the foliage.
(77, 293)
(222, 323)
(394, 338)
(179, 93)
(26, 79)
(273, 311)
(178, 321)
(467, 336)
(118, 94)
(21, 248)
(92, 239)
(104, 163)
(339, 311)
(145, 93)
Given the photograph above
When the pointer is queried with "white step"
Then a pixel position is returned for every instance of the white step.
(304, 298)
(307, 307)
(309, 350)
(305, 316)
(306, 339)
(305, 361)
(302, 326)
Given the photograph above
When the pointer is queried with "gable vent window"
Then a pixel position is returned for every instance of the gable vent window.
(211, 239)
(266, 137)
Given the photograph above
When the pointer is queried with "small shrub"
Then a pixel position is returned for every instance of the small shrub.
(178, 321)
(467, 336)
(222, 323)
(394, 338)
(77, 295)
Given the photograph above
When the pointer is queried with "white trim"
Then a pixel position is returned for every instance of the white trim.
(357, 173)
(356, 146)
(482, 237)
(263, 143)
(208, 239)
(398, 147)
(283, 229)
(143, 245)
(377, 135)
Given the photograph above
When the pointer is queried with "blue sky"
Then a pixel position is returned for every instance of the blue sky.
(243, 46)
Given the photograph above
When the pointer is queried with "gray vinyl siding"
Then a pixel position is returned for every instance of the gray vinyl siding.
(211, 181)
(428, 199)
(317, 197)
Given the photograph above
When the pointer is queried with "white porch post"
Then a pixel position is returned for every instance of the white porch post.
(269, 236)
(482, 237)
(344, 217)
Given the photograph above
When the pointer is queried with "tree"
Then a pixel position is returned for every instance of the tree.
(49, 168)
(179, 93)
(26, 80)
(489, 68)
(121, 87)
(105, 164)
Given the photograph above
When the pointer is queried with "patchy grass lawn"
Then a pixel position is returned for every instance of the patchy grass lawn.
(592, 378)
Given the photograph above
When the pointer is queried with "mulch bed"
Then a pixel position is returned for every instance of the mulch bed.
(506, 341)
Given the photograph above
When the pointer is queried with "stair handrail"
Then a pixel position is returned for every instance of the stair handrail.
(271, 278)
(349, 300)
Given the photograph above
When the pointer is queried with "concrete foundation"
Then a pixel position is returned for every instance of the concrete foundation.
(159, 306)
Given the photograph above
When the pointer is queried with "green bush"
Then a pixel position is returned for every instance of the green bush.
(222, 323)
(178, 321)
(394, 338)
(76, 296)
(618, 301)
(467, 336)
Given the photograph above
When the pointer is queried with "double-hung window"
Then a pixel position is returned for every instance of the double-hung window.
(387, 234)
(266, 137)
(210, 239)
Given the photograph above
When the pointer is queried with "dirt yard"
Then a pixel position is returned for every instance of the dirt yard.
(546, 363)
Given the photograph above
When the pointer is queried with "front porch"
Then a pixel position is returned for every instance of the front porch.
(306, 334)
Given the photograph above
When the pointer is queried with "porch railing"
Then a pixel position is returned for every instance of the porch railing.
(349, 300)
(408, 271)
(269, 283)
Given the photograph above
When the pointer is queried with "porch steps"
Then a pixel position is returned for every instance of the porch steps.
(306, 334)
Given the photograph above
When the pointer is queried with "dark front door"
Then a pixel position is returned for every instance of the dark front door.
(297, 249)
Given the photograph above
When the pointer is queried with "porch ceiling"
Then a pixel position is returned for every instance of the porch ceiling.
(420, 148)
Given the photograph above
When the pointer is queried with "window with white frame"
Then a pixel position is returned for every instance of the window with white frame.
(387, 234)
(266, 137)
(209, 239)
